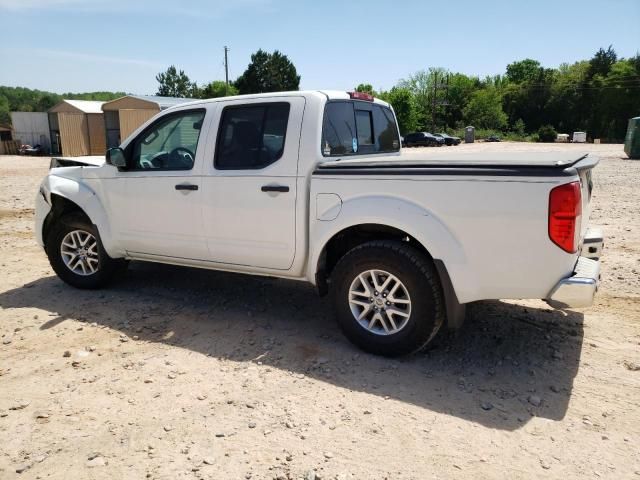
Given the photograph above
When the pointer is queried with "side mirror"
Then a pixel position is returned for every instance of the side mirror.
(115, 156)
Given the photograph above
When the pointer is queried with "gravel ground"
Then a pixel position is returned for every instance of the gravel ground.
(182, 373)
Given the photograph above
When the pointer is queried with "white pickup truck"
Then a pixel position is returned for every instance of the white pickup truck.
(313, 186)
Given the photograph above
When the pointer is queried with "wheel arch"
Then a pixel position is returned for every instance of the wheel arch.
(69, 196)
(351, 236)
(60, 206)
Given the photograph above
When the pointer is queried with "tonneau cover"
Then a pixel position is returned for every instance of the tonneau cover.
(558, 160)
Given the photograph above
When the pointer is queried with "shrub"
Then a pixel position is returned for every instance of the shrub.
(547, 133)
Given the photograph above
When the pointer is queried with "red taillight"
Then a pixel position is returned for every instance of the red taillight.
(361, 96)
(565, 209)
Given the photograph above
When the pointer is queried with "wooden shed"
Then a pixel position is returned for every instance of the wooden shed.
(124, 115)
(77, 128)
(7, 143)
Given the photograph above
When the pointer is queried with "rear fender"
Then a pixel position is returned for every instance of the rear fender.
(409, 217)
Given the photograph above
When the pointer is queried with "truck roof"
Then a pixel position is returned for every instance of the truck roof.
(328, 94)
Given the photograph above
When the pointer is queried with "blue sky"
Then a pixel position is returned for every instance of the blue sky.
(119, 45)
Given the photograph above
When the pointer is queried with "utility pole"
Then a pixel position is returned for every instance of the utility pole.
(435, 102)
(226, 71)
(433, 107)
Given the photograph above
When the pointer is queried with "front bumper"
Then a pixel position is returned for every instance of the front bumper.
(578, 290)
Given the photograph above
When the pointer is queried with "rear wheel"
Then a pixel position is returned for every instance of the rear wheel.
(387, 298)
(76, 253)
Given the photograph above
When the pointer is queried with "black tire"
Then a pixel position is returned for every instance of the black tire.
(107, 267)
(417, 274)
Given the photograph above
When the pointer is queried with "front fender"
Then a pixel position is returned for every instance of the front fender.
(76, 191)
(409, 217)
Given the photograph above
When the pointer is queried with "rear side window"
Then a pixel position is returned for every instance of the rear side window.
(384, 124)
(364, 126)
(251, 136)
(352, 128)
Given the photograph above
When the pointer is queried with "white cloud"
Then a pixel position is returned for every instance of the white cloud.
(197, 9)
(93, 58)
(37, 4)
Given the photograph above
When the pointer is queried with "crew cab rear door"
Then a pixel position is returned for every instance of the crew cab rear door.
(249, 186)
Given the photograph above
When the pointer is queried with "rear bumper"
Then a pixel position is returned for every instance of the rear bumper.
(593, 244)
(578, 290)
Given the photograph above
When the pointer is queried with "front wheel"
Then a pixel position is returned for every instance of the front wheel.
(76, 253)
(387, 298)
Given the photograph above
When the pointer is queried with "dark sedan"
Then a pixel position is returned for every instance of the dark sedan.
(423, 139)
(448, 139)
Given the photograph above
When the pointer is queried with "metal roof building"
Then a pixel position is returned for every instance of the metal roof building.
(124, 115)
(77, 128)
(32, 128)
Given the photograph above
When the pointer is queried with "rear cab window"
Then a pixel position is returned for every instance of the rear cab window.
(358, 128)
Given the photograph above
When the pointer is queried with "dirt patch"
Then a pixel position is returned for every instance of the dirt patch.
(25, 212)
(183, 373)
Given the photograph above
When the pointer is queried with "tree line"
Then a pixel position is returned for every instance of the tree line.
(527, 101)
(19, 99)
(598, 96)
(267, 72)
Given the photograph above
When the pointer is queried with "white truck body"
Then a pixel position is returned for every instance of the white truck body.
(484, 220)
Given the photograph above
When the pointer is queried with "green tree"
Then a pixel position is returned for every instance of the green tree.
(526, 70)
(485, 110)
(218, 88)
(174, 83)
(268, 72)
(405, 107)
(365, 88)
(5, 118)
(421, 84)
(602, 62)
(519, 127)
(458, 95)
(547, 133)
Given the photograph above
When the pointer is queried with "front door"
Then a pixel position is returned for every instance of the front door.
(249, 211)
(162, 195)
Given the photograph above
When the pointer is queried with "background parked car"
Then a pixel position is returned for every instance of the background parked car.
(423, 139)
(448, 139)
(31, 150)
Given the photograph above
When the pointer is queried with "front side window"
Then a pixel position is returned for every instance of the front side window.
(251, 136)
(168, 144)
(351, 128)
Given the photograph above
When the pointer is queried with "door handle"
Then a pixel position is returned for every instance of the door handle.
(186, 186)
(275, 188)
